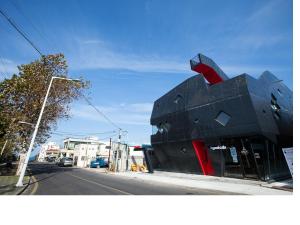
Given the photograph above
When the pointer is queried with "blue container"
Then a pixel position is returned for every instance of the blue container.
(99, 162)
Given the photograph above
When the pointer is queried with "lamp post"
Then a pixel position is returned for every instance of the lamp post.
(20, 181)
(26, 123)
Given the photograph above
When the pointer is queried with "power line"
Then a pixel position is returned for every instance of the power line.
(35, 47)
(20, 31)
(108, 137)
(21, 11)
(65, 135)
(106, 132)
(40, 32)
(82, 134)
(101, 113)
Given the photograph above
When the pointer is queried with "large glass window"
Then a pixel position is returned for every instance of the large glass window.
(154, 129)
(223, 118)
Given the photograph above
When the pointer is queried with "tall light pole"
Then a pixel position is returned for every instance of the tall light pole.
(20, 181)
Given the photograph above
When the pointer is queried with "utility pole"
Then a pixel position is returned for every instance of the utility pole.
(108, 161)
(20, 181)
(118, 149)
(86, 151)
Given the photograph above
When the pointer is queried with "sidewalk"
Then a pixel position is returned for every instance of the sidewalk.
(238, 186)
(8, 185)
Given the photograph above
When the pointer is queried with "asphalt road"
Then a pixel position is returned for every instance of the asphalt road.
(53, 180)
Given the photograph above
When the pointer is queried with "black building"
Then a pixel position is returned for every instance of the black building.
(212, 125)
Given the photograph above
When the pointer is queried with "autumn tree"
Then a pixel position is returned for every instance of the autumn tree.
(22, 96)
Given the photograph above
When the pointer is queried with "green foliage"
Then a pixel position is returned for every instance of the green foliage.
(22, 96)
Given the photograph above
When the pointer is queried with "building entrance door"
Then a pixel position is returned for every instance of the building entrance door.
(248, 159)
(244, 157)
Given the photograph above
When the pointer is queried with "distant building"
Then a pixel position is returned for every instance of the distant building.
(83, 151)
(123, 157)
(48, 150)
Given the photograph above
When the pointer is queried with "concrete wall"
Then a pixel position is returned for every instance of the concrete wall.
(84, 154)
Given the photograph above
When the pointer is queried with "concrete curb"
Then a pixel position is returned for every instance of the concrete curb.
(36, 184)
(24, 188)
(27, 185)
(230, 185)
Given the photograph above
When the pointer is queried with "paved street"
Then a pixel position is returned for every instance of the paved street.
(54, 180)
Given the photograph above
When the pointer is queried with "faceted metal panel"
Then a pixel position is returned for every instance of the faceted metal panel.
(195, 110)
(223, 118)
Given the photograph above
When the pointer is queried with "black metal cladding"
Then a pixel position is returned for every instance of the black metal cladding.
(237, 112)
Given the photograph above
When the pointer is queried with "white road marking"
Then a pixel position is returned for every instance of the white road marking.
(102, 185)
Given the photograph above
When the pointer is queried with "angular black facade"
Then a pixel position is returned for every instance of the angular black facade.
(224, 127)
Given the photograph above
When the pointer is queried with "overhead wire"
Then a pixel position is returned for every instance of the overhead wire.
(64, 135)
(19, 30)
(40, 32)
(101, 113)
(105, 132)
(82, 134)
(23, 34)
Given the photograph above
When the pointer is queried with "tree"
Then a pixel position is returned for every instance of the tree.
(22, 96)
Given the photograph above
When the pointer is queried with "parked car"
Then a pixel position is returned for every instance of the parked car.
(66, 161)
(57, 160)
(50, 158)
(98, 162)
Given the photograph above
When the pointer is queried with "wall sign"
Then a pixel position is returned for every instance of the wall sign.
(233, 154)
(288, 154)
(223, 147)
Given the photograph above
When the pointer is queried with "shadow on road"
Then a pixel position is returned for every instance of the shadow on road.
(49, 170)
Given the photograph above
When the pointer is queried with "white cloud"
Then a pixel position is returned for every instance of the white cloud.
(259, 30)
(256, 41)
(130, 114)
(251, 70)
(92, 41)
(7, 68)
(264, 12)
(96, 54)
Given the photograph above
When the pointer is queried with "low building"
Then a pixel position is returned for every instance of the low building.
(123, 157)
(83, 151)
(135, 157)
(48, 150)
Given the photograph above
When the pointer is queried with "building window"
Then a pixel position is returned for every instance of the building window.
(183, 150)
(273, 97)
(223, 118)
(276, 108)
(277, 115)
(177, 99)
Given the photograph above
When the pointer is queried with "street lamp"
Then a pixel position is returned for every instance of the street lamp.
(26, 123)
(20, 181)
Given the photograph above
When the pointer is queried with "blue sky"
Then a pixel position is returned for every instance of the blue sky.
(134, 51)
